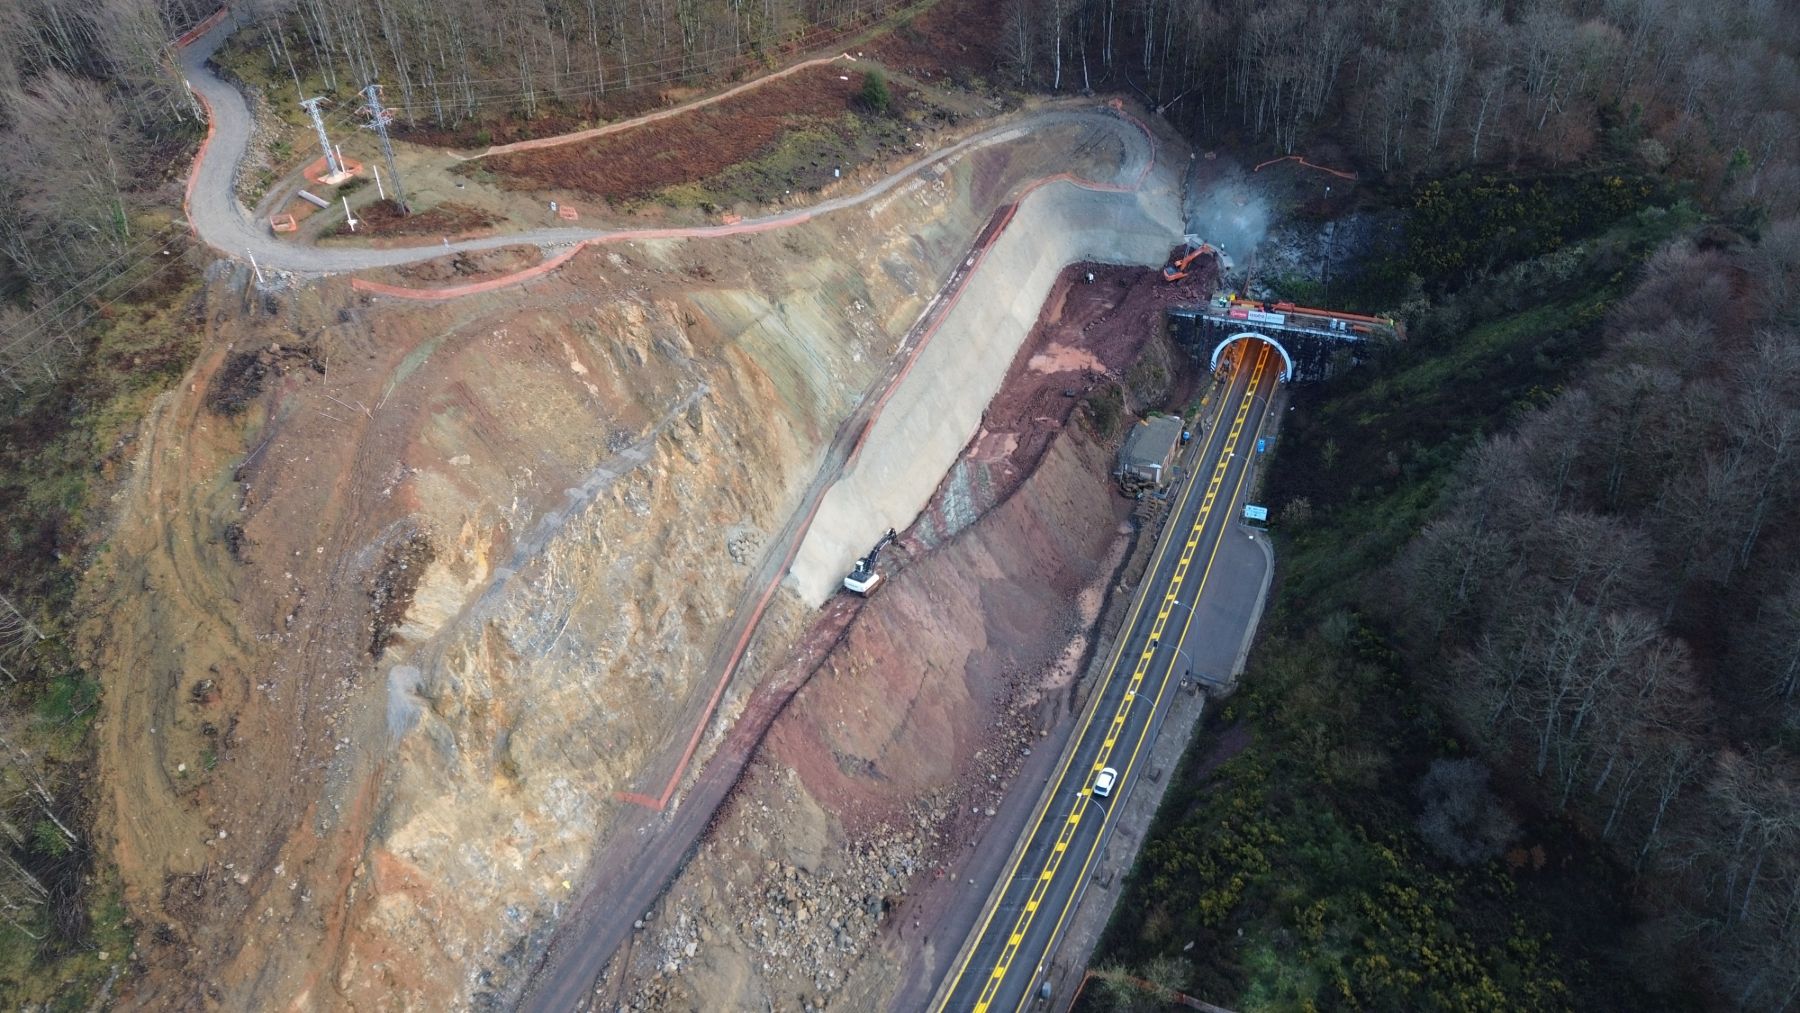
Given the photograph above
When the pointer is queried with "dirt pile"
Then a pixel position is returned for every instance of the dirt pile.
(832, 877)
(384, 219)
(464, 266)
(381, 645)
(808, 922)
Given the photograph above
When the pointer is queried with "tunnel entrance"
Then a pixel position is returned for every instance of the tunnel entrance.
(1287, 361)
(1311, 341)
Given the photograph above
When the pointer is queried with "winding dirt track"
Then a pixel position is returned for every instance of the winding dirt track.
(223, 223)
(650, 842)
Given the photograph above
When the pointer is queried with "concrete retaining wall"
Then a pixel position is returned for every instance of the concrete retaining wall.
(937, 408)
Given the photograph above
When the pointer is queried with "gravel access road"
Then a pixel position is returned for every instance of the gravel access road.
(223, 223)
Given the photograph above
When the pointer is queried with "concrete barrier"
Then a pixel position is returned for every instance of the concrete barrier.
(934, 411)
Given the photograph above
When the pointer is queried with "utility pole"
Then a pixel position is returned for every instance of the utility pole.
(332, 162)
(378, 119)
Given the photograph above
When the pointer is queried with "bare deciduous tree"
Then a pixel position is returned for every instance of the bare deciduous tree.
(18, 636)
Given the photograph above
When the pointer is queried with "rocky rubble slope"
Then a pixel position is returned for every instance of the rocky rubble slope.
(400, 596)
(841, 854)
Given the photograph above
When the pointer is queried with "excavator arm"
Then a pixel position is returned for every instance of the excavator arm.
(1179, 269)
(864, 578)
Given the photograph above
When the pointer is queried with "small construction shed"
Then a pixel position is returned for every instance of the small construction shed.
(1148, 459)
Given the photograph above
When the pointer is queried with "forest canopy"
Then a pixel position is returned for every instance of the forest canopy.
(1609, 604)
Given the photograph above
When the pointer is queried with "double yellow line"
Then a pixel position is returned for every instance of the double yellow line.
(1065, 836)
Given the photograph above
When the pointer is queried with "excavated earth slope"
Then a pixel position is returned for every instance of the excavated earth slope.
(928, 421)
(837, 875)
(399, 597)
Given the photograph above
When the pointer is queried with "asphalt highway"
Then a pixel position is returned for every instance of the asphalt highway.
(1012, 943)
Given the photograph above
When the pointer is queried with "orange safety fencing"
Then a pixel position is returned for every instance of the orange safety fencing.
(187, 194)
(193, 34)
(1288, 307)
(1351, 176)
(991, 234)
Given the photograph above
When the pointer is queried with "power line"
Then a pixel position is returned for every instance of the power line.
(378, 119)
(69, 305)
(71, 328)
(702, 55)
(412, 109)
(34, 354)
(62, 305)
(152, 240)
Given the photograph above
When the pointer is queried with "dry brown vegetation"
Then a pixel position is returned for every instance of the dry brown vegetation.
(1618, 645)
(384, 218)
(638, 163)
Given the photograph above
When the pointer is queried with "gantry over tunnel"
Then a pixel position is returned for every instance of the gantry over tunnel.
(1308, 339)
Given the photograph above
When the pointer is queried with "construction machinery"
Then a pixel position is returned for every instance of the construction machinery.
(1235, 307)
(864, 580)
(1196, 248)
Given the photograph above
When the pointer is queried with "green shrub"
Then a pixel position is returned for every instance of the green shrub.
(874, 95)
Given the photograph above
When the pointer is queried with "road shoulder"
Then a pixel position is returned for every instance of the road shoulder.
(1245, 559)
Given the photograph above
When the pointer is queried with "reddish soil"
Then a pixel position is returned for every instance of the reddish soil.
(913, 713)
(638, 163)
(469, 265)
(1108, 322)
(659, 87)
(1088, 335)
(958, 39)
(383, 218)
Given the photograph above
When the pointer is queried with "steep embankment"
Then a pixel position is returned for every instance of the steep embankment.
(838, 862)
(399, 598)
(928, 421)
(892, 756)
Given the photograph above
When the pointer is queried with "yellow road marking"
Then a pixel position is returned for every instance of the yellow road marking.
(1040, 888)
(1142, 736)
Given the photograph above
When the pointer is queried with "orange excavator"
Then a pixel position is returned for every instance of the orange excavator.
(1178, 269)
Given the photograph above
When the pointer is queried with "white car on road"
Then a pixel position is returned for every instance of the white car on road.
(1104, 781)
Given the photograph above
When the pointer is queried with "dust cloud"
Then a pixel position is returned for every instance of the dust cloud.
(1229, 215)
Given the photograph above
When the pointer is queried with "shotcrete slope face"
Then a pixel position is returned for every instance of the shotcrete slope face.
(937, 407)
(379, 651)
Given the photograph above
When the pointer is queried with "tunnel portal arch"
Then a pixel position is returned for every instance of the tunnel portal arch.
(1287, 361)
